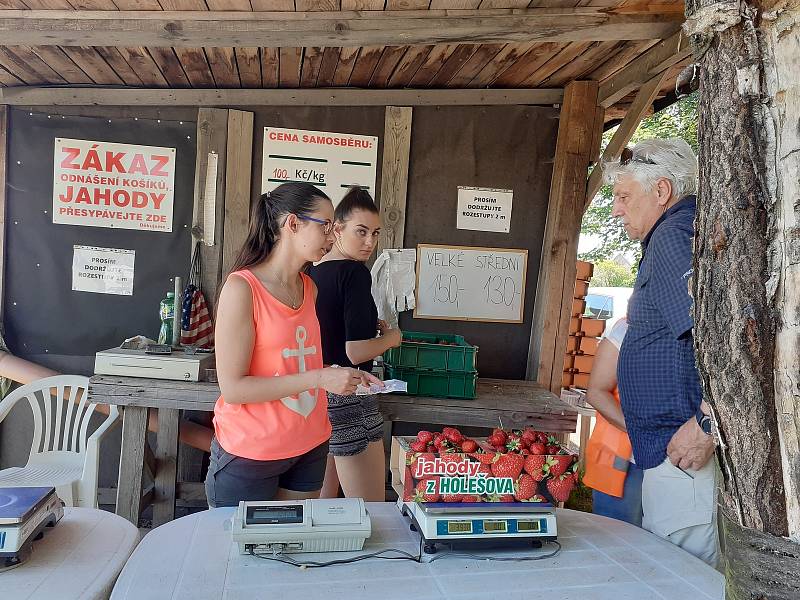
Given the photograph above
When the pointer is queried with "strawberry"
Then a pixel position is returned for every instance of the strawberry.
(538, 448)
(431, 448)
(513, 444)
(541, 437)
(551, 449)
(425, 437)
(483, 457)
(525, 452)
(560, 464)
(494, 440)
(485, 469)
(534, 466)
(452, 457)
(529, 436)
(501, 449)
(408, 485)
(471, 499)
(525, 487)
(469, 445)
(419, 446)
(500, 435)
(508, 465)
(454, 436)
(421, 494)
(560, 487)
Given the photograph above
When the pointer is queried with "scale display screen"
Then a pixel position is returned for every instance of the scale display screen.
(274, 515)
(495, 526)
(529, 526)
(459, 527)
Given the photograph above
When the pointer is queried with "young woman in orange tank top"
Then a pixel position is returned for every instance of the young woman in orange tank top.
(271, 423)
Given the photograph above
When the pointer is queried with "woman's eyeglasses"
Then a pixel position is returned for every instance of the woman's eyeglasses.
(327, 224)
(626, 157)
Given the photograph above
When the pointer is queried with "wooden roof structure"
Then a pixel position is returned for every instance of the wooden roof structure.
(339, 51)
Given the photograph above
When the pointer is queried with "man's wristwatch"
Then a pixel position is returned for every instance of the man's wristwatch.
(704, 421)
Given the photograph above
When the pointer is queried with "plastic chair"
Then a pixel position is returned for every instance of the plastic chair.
(61, 455)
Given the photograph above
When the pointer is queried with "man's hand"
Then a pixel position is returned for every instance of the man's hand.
(690, 448)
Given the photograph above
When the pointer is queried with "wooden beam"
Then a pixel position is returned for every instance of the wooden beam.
(238, 165)
(394, 176)
(337, 28)
(212, 137)
(3, 177)
(659, 58)
(578, 141)
(640, 106)
(131, 463)
(166, 465)
(84, 96)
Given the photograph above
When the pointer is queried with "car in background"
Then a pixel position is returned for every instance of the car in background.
(607, 303)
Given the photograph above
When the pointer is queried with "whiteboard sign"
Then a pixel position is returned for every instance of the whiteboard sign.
(471, 284)
(103, 270)
(484, 209)
(331, 161)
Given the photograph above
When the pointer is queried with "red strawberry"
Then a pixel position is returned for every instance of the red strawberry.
(419, 446)
(421, 493)
(471, 499)
(483, 457)
(483, 468)
(513, 444)
(501, 449)
(525, 452)
(500, 435)
(508, 465)
(452, 457)
(559, 464)
(534, 466)
(529, 436)
(525, 487)
(541, 437)
(408, 485)
(494, 440)
(538, 448)
(425, 436)
(431, 448)
(560, 487)
(469, 445)
(501, 498)
(454, 436)
(550, 449)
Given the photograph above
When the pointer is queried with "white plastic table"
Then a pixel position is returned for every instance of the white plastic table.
(78, 559)
(193, 558)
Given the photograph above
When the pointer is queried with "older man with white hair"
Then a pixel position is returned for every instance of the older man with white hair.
(654, 186)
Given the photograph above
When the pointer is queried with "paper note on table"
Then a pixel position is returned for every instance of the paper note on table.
(390, 385)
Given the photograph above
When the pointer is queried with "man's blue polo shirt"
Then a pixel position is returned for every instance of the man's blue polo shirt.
(659, 386)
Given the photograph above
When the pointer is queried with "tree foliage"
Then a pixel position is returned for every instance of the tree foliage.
(678, 120)
(607, 273)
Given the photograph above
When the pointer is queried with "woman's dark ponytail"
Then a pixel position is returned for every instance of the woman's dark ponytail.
(267, 218)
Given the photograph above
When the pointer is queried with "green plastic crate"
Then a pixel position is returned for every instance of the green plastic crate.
(425, 351)
(436, 384)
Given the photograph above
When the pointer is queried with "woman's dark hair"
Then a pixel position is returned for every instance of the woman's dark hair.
(268, 216)
(356, 198)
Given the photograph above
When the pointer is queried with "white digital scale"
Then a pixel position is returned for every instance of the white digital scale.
(486, 524)
(24, 514)
(314, 525)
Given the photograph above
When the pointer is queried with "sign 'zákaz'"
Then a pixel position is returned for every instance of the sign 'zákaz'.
(103, 184)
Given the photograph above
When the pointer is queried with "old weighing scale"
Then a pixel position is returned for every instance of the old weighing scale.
(25, 512)
(470, 525)
(288, 526)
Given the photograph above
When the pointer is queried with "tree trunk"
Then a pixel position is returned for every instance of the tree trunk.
(746, 283)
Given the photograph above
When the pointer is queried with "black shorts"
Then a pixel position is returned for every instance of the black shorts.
(231, 478)
(355, 422)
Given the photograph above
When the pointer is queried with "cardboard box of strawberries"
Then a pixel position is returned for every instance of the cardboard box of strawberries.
(507, 466)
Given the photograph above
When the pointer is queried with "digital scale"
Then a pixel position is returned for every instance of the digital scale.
(24, 514)
(314, 525)
(476, 525)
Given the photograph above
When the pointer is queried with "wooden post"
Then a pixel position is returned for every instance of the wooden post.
(238, 172)
(212, 136)
(166, 465)
(131, 463)
(3, 165)
(578, 141)
(394, 176)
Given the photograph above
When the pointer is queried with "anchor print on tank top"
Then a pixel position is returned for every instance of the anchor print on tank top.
(304, 402)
